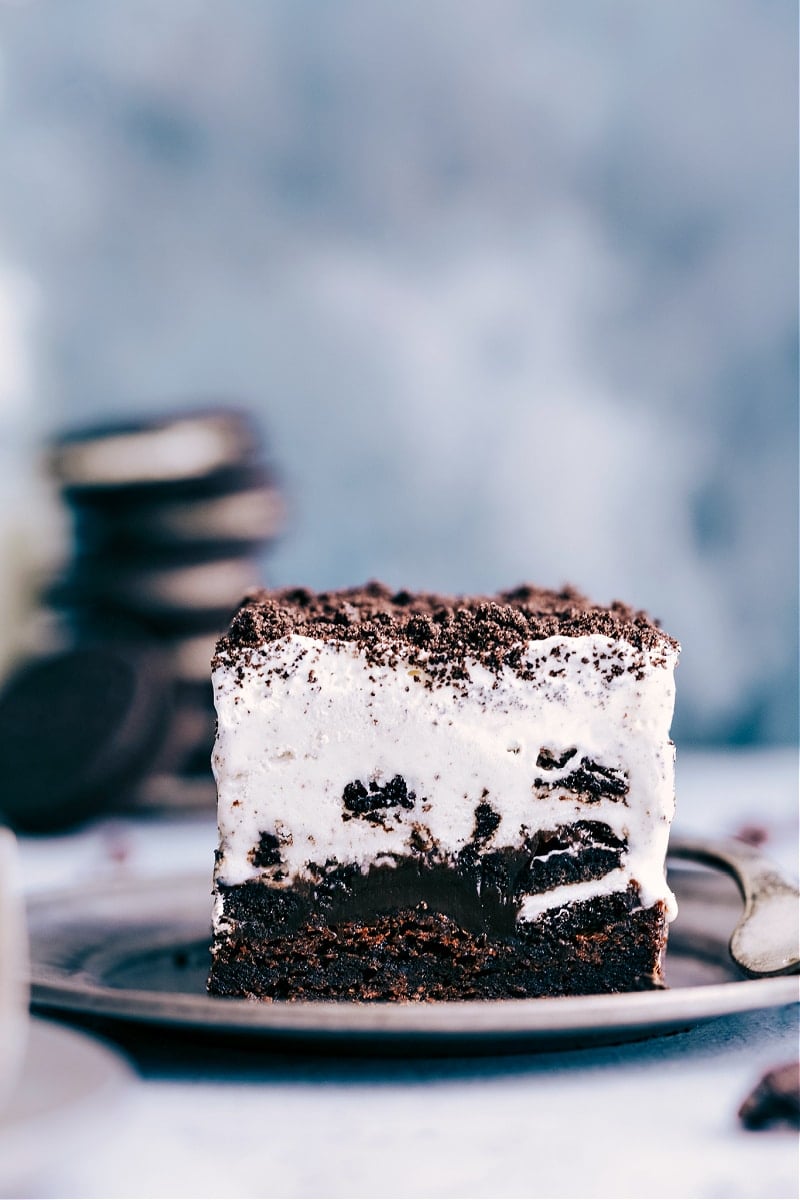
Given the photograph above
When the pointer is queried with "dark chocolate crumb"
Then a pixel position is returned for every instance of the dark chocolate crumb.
(752, 834)
(775, 1101)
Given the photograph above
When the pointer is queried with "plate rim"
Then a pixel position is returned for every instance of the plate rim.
(54, 990)
(473, 1018)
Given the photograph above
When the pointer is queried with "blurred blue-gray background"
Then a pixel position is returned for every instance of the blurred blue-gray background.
(512, 285)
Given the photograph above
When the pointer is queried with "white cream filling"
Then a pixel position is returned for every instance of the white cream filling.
(189, 447)
(254, 513)
(190, 657)
(303, 718)
(206, 585)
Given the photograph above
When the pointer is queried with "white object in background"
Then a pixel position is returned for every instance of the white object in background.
(13, 968)
(32, 526)
(64, 1107)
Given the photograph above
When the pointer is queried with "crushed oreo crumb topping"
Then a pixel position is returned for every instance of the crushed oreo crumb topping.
(438, 634)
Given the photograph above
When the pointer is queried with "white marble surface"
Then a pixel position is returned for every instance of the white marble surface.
(657, 1119)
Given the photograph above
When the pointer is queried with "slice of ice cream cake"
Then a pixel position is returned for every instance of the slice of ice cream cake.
(424, 797)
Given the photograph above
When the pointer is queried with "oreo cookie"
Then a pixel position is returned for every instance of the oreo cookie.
(233, 522)
(170, 599)
(79, 731)
(165, 455)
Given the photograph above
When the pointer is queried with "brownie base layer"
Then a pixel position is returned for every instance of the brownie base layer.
(606, 944)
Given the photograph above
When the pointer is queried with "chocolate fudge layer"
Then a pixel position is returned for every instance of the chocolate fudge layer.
(424, 797)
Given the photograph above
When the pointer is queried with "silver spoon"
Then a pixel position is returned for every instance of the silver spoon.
(766, 940)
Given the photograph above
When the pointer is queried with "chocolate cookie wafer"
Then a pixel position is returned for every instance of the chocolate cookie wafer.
(168, 600)
(229, 512)
(79, 730)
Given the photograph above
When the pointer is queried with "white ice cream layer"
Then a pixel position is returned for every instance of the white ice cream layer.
(303, 718)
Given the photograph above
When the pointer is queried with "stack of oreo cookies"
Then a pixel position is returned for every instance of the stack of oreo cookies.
(171, 517)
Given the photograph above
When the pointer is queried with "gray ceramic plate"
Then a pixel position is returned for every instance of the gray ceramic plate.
(137, 952)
